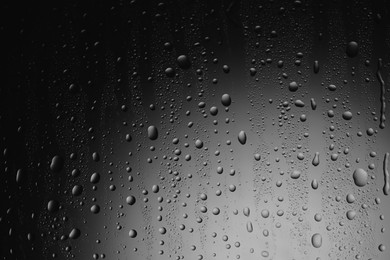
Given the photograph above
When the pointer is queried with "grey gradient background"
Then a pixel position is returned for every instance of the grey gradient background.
(115, 56)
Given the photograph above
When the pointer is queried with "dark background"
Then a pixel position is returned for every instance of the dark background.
(81, 75)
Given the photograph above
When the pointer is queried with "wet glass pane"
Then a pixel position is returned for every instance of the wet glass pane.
(171, 129)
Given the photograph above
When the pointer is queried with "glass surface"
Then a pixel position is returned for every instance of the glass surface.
(221, 129)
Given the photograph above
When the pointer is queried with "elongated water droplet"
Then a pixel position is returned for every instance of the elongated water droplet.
(316, 66)
(386, 187)
(242, 137)
(246, 211)
(313, 104)
(249, 226)
(314, 184)
(316, 159)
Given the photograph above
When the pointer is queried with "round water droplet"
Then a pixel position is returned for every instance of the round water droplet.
(162, 230)
(317, 217)
(132, 233)
(170, 72)
(130, 200)
(216, 211)
(184, 62)
(293, 86)
(265, 213)
(198, 144)
(226, 100)
(360, 177)
(347, 115)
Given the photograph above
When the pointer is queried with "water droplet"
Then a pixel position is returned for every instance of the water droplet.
(77, 190)
(95, 209)
(313, 104)
(347, 115)
(246, 211)
(295, 174)
(332, 87)
(19, 175)
(184, 62)
(95, 177)
(293, 86)
(162, 230)
(152, 132)
(360, 177)
(226, 100)
(242, 137)
(130, 200)
(314, 184)
(56, 163)
(53, 206)
(198, 144)
(132, 233)
(317, 217)
(316, 240)
(316, 159)
(351, 214)
(350, 198)
(265, 213)
(75, 233)
(352, 49)
(155, 188)
(299, 103)
(249, 226)
(386, 187)
(213, 111)
(316, 66)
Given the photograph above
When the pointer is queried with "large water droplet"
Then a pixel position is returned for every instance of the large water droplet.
(316, 240)
(152, 132)
(242, 137)
(360, 177)
(226, 100)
